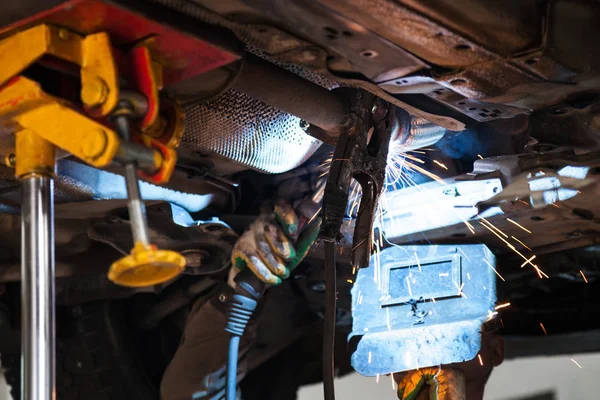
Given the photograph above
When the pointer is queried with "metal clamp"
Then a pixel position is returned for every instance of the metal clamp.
(41, 123)
(358, 156)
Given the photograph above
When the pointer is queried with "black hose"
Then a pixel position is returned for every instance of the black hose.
(329, 323)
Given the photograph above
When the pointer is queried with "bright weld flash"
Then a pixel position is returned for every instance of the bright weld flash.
(480, 359)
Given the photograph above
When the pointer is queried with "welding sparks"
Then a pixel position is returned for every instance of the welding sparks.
(408, 286)
(522, 244)
(393, 382)
(583, 276)
(369, 357)
(519, 225)
(510, 246)
(494, 227)
(528, 261)
(377, 378)
(418, 262)
(440, 164)
(576, 363)
(468, 276)
(498, 307)
(491, 315)
(543, 328)
(494, 269)
(480, 359)
(464, 254)
(460, 289)
(480, 157)
(414, 167)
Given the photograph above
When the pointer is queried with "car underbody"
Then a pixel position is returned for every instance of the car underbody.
(500, 96)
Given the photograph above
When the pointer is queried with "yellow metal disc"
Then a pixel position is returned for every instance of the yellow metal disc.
(146, 266)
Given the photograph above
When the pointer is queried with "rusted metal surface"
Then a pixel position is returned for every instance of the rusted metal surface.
(314, 104)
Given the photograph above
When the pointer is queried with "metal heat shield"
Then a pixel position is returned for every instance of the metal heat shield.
(421, 306)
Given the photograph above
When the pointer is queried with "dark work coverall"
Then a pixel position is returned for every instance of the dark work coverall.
(280, 351)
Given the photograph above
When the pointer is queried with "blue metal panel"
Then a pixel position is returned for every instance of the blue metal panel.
(419, 306)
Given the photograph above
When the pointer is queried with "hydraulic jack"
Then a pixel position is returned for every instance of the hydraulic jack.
(97, 126)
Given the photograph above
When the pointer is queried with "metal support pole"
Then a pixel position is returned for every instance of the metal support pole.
(135, 205)
(37, 288)
(34, 168)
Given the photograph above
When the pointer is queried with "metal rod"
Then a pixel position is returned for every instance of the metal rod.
(37, 288)
(135, 205)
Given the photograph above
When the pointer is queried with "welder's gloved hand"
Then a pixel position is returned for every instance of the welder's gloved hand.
(432, 384)
(273, 246)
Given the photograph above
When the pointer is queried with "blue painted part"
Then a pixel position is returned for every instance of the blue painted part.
(104, 185)
(421, 306)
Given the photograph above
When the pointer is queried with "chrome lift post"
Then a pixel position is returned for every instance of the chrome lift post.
(35, 163)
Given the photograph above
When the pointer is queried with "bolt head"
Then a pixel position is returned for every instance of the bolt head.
(94, 144)
(94, 92)
(304, 125)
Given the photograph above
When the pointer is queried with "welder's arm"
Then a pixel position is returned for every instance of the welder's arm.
(198, 368)
(432, 384)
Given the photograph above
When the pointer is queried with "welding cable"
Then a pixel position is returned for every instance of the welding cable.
(249, 289)
(232, 360)
(329, 321)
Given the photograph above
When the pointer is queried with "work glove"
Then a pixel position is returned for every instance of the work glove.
(439, 383)
(274, 245)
